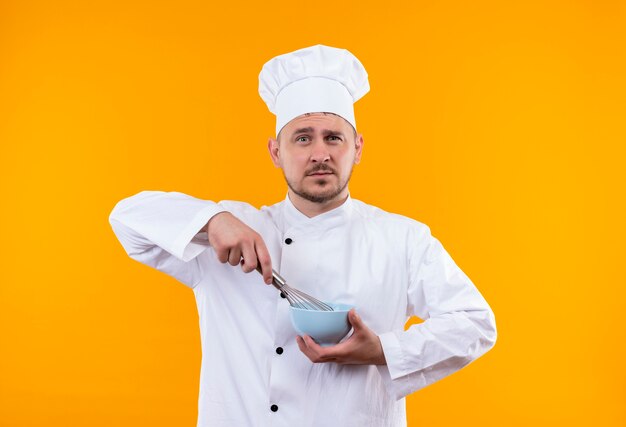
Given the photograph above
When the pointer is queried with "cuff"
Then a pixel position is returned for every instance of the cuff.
(187, 245)
(393, 354)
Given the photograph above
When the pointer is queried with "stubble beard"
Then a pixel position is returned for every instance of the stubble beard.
(321, 197)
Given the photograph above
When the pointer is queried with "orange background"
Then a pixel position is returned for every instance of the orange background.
(499, 124)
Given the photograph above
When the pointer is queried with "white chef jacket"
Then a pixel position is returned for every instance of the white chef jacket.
(388, 266)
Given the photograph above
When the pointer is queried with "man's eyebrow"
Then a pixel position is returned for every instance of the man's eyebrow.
(303, 130)
(311, 130)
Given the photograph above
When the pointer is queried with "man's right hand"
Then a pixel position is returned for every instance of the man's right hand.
(232, 239)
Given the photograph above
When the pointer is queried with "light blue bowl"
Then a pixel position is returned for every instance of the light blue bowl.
(325, 327)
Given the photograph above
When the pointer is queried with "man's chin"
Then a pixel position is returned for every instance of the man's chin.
(323, 190)
(317, 195)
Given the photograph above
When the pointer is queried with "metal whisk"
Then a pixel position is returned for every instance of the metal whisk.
(295, 297)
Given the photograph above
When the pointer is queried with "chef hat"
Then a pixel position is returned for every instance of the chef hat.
(313, 79)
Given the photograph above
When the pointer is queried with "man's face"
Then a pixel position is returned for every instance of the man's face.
(316, 152)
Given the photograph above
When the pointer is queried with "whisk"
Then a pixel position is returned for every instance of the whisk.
(295, 297)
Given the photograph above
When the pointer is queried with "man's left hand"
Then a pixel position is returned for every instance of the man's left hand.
(362, 348)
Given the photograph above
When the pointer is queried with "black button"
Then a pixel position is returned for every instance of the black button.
(288, 241)
(282, 295)
(274, 408)
(279, 350)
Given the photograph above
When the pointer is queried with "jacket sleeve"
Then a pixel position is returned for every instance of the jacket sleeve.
(161, 229)
(459, 326)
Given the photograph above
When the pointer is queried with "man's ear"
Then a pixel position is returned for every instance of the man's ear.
(272, 147)
(358, 144)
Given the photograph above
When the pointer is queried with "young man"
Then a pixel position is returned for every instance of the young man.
(255, 370)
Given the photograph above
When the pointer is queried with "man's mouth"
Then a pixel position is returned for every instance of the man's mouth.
(321, 171)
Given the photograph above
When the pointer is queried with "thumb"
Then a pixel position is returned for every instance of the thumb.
(355, 320)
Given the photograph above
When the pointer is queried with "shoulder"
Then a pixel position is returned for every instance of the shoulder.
(376, 216)
(401, 232)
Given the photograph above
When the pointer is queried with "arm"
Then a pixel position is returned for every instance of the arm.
(459, 325)
(168, 231)
(162, 230)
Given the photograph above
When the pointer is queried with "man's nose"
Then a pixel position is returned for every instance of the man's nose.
(319, 152)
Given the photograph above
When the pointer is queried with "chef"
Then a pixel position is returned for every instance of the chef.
(255, 370)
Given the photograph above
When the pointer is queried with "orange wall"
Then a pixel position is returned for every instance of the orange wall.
(499, 124)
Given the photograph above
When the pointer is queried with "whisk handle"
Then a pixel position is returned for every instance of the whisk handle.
(277, 279)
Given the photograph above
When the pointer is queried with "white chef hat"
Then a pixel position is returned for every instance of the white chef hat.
(313, 79)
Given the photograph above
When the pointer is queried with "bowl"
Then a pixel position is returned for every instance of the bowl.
(325, 327)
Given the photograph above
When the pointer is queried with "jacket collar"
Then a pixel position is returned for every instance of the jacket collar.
(333, 218)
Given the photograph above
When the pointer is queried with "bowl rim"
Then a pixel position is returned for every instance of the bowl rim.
(343, 310)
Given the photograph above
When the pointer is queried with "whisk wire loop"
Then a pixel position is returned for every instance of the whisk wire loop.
(298, 298)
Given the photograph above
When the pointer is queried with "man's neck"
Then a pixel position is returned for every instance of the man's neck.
(312, 209)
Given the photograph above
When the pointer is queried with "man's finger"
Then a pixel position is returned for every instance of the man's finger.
(249, 258)
(222, 254)
(355, 320)
(234, 256)
(337, 351)
(309, 348)
(304, 349)
(264, 260)
(301, 344)
(321, 354)
(314, 347)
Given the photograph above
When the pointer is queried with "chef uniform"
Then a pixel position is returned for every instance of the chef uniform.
(388, 266)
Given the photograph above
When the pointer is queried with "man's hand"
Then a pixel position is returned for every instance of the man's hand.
(362, 348)
(232, 239)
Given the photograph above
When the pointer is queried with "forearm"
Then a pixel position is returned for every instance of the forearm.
(436, 348)
(205, 227)
(159, 230)
(168, 220)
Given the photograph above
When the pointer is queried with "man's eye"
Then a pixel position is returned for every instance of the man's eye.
(301, 139)
(334, 138)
